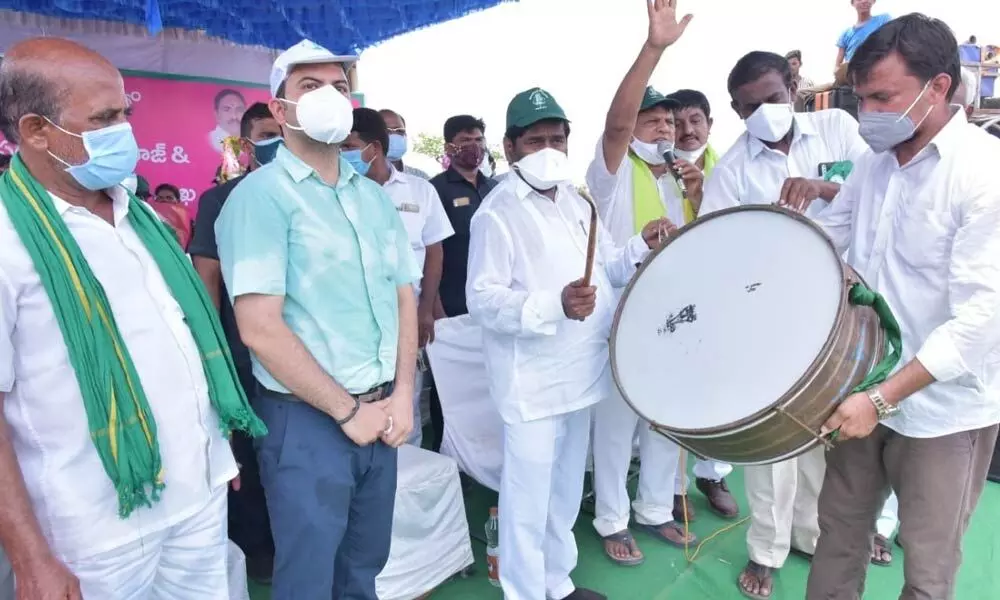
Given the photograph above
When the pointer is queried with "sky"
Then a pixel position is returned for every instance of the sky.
(579, 50)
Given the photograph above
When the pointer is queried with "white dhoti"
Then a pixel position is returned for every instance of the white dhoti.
(783, 507)
(6, 578)
(614, 429)
(540, 493)
(888, 521)
(417, 435)
(183, 562)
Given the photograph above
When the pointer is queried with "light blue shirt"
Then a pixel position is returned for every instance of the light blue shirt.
(336, 253)
(854, 36)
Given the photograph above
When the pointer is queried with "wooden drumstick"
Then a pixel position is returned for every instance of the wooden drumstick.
(592, 238)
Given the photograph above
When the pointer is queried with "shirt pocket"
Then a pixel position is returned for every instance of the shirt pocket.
(413, 223)
(923, 237)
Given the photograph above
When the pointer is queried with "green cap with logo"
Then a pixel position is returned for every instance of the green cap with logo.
(654, 98)
(532, 106)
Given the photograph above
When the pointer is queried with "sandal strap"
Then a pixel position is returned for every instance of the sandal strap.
(622, 537)
(672, 525)
(758, 570)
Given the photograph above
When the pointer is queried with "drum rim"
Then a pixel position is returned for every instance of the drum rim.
(785, 398)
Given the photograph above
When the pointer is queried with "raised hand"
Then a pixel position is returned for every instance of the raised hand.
(664, 28)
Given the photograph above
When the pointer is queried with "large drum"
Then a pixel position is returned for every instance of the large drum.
(736, 338)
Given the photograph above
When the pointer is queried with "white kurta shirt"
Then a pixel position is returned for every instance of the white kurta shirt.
(524, 250)
(614, 193)
(927, 237)
(752, 173)
(420, 208)
(73, 498)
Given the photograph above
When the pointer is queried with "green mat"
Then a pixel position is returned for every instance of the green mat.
(666, 573)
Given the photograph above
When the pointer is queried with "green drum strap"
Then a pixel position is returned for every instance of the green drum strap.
(861, 295)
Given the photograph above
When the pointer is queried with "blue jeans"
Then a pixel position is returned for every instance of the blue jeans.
(330, 503)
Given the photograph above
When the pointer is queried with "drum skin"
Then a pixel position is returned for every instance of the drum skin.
(790, 426)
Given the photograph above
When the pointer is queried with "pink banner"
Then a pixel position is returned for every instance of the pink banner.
(179, 125)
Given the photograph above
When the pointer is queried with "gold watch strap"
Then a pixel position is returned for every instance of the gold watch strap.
(881, 405)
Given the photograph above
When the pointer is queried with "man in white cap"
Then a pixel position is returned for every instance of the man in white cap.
(319, 268)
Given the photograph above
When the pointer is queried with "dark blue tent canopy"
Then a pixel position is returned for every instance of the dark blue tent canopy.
(343, 26)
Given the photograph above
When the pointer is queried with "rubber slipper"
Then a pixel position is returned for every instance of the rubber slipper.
(883, 547)
(655, 531)
(761, 573)
(625, 539)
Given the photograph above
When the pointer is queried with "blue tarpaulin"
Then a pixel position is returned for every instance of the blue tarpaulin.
(343, 26)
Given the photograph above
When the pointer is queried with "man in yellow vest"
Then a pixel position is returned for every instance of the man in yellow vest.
(692, 128)
(633, 183)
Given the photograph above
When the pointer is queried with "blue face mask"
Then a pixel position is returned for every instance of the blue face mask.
(265, 151)
(113, 154)
(397, 146)
(357, 160)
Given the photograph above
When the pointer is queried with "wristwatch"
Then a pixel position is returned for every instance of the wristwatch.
(883, 408)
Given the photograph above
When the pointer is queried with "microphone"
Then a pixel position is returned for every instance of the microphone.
(666, 149)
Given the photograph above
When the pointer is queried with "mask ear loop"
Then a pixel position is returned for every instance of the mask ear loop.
(361, 155)
(77, 135)
(906, 113)
(53, 123)
(287, 124)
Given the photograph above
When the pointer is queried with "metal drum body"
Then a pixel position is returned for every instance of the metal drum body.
(736, 339)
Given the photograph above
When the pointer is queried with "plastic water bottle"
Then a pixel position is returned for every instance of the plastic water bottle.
(493, 548)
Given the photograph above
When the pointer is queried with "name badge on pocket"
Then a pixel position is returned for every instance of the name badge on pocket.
(410, 208)
(464, 201)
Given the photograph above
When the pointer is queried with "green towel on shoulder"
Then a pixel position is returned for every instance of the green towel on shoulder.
(121, 422)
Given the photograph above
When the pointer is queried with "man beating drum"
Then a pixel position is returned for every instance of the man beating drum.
(919, 218)
(780, 156)
(545, 336)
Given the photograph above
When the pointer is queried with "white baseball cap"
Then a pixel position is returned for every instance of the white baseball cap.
(304, 53)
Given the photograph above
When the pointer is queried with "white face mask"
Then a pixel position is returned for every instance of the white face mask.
(770, 122)
(691, 156)
(324, 114)
(650, 153)
(545, 169)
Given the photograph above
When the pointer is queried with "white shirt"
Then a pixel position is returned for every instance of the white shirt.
(927, 237)
(73, 498)
(752, 173)
(613, 193)
(524, 250)
(420, 208)
(217, 136)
